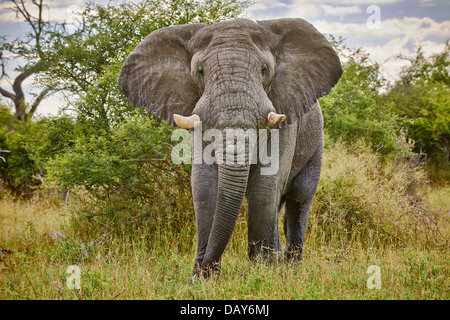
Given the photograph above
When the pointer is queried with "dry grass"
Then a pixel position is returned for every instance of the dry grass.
(379, 201)
(364, 214)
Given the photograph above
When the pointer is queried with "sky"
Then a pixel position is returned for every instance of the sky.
(383, 28)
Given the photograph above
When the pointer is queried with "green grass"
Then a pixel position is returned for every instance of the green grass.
(33, 266)
(367, 211)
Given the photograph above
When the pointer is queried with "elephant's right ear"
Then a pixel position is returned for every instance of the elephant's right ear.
(156, 75)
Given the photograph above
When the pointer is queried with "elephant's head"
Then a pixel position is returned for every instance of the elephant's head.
(232, 74)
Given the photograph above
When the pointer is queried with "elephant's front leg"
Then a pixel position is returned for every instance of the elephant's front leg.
(204, 193)
(263, 205)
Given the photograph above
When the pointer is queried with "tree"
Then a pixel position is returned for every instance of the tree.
(422, 95)
(355, 108)
(30, 49)
(120, 155)
(84, 60)
(86, 56)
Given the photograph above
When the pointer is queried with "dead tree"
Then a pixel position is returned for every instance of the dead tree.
(30, 50)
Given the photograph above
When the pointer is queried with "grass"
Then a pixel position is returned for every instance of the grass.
(363, 214)
(34, 266)
(439, 198)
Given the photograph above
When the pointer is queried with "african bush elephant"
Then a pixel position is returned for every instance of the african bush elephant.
(242, 74)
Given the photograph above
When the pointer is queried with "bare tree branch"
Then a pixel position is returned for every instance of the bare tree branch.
(38, 101)
(37, 23)
(8, 94)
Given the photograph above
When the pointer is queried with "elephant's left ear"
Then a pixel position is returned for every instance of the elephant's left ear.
(307, 67)
(156, 75)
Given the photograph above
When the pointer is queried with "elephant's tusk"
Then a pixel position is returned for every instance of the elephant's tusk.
(186, 122)
(274, 118)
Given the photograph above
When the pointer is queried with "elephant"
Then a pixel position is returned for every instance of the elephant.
(249, 75)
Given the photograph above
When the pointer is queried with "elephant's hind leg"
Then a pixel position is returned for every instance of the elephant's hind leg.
(298, 203)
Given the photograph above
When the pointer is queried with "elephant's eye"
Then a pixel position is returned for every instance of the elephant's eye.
(200, 70)
(265, 69)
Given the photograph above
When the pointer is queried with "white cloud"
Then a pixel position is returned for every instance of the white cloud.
(51, 105)
(411, 28)
(268, 9)
(395, 36)
(357, 2)
(265, 5)
(6, 83)
(387, 54)
(56, 10)
(309, 8)
(427, 3)
(340, 10)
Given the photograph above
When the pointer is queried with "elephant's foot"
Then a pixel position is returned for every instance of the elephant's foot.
(209, 271)
(293, 253)
(264, 254)
(197, 271)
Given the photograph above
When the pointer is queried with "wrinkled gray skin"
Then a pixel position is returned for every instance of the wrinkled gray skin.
(232, 74)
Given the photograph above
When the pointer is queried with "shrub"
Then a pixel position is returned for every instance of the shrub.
(421, 96)
(124, 177)
(355, 110)
(30, 145)
(366, 198)
(20, 164)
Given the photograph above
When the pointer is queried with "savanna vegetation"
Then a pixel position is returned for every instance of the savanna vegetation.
(95, 186)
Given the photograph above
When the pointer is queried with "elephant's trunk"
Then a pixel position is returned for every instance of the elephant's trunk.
(231, 192)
